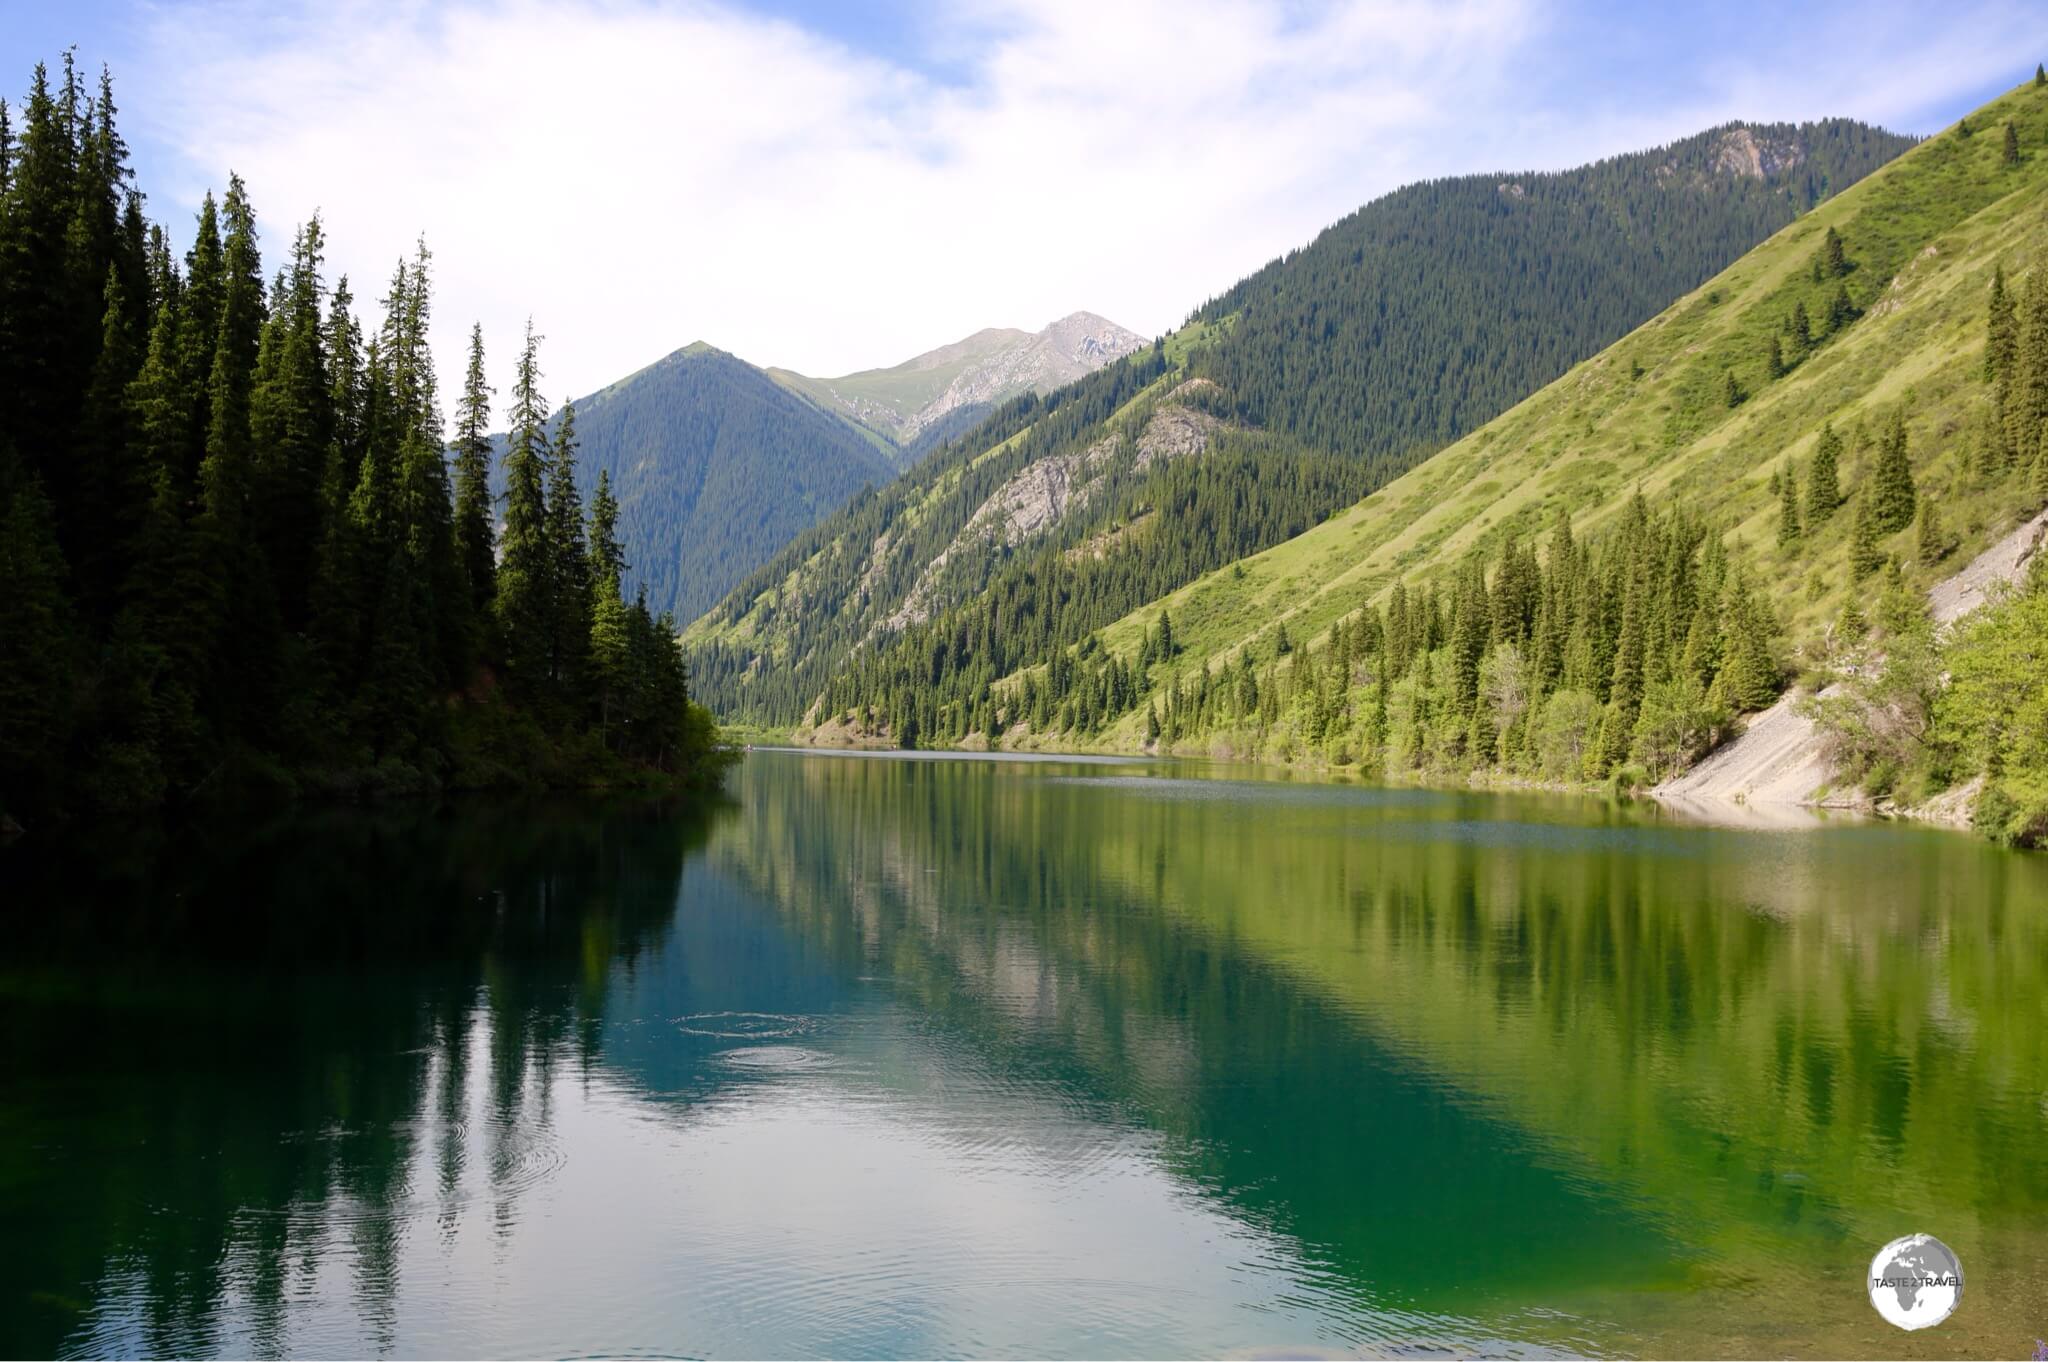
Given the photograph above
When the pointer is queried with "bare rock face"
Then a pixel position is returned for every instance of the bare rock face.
(1175, 432)
(1074, 345)
(1742, 152)
(1037, 497)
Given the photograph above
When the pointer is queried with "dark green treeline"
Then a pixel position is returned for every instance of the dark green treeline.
(235, 553)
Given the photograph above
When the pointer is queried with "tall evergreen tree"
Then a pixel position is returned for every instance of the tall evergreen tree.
(475, 536)
(570, 572)
(526, 580)
(1788, 508)
(2001, 330)
(1799, 329)
(1823, 480)
(1891, 487)
(1865, 557)
(2009, 154)
(1834, 262)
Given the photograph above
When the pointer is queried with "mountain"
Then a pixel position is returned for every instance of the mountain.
(1322, 376)
(956, 385)
(715, 466)
(1710, 426)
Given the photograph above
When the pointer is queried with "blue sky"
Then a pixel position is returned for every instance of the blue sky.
(831, 186)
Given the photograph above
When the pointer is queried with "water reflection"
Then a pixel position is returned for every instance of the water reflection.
(968, 1057)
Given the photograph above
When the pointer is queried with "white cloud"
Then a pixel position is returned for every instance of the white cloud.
(638, 175)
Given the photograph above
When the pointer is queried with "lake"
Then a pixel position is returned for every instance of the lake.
(889, 1056)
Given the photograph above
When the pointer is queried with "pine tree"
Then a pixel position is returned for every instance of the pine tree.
(608, 564)
(1774, 358)
(1864, 555)
(1800, 331)
(1788, 509)
(1834, 263)
(1823, 482)
(2040, 75)
(1731, 391)
(2009, 155)
(570, 570)
(1933, 543)
(2023, 400)
(1749, 675)
(1892, 491)
(526, 581)
(475, 537)
(2001, 331)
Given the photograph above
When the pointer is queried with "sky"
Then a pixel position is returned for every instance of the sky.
(836, 186)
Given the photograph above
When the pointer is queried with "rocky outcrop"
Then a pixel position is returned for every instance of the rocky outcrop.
(1039, 495)
(1175, 432)
(1740, 151)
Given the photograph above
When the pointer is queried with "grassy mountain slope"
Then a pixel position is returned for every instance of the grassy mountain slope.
(1300, 360)
(1650, 413)
(715, 467)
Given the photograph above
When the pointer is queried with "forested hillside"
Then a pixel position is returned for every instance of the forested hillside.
(1316, 380)
(715, 467)
(234, 557)
(1430, 311)
(1755, 489)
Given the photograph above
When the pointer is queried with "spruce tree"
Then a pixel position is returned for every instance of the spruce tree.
(2024, 404)
(1749, 674)
(526, 581)
(2001, 331)
(570, 572)
(1823, 482)
(475, 536)
(1731, 391)
(1892, 490)
(607, 555)
(1834, 263)
(2009, 155)
(1800, 331)
(1864, 555)
(1774, 358)
(1788, 509)
(1933, 543)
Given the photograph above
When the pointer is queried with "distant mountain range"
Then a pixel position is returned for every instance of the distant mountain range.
(954, 386)
(717, 463)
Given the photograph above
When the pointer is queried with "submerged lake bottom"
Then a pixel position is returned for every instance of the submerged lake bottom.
(878, 1057)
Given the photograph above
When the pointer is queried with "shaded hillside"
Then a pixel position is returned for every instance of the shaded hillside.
(1304, 360)
(715, 466)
